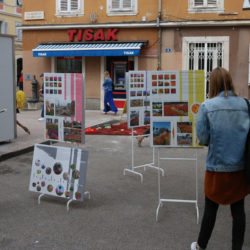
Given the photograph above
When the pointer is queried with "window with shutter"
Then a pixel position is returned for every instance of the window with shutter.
(69, 7)
(246, 4)
(121, 7)
(19, 35)
(205, 6)
(198, 2)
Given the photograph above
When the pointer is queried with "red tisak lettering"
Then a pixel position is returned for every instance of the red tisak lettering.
(111, 34)
(79, 35)
(99, 35)
(71, 34)
(88, 34)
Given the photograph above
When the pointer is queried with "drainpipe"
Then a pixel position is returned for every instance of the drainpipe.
(159, 34)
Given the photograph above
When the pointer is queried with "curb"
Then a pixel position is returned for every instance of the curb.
(9, 155)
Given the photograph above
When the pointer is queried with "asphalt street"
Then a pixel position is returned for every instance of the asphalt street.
(121, 212)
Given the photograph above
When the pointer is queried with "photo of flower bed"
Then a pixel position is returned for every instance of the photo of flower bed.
(52, 129)
(184, 127)
(175, 108)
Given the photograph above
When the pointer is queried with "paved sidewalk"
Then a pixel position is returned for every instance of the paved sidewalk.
(30, 119)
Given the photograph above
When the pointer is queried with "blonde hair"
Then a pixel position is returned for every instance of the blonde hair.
(106, 74)
(220, 80)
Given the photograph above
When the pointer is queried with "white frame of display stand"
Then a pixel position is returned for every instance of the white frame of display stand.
(161, 200)
(68, 202)
(149, 165)
(74, 145)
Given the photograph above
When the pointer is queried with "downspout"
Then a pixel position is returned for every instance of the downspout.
(159, 34)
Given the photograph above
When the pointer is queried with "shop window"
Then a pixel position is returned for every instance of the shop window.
(19, 34)
(206, 6)
(69, 7)
(69, 65)
(246, 4)
(121, 7)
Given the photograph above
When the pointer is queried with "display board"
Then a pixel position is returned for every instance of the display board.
(175, 100)
(59, 171)
(64, 107)
(138, 99)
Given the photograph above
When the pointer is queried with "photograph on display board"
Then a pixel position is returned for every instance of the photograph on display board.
(195, 108)
(146, 103)
(161, 133)
(72, 131)
(184, 139)
(65, 108)
(136, 103)
(52, 131)
(146, 117)
(59, 171)
(49, 108)
(134, 118)
(157, 108)
(175, 108)
(184, 127)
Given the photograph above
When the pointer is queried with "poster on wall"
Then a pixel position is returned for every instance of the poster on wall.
(138, 99)
(64, 107)
(175, 100)
(59, 171)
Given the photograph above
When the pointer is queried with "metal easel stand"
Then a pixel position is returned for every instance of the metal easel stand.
(161, 201)
(149, 165)
(68, 202)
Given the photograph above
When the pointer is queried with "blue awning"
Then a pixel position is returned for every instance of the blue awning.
(88, 49)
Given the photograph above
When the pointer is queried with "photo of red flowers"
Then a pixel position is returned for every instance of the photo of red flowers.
(175, 108)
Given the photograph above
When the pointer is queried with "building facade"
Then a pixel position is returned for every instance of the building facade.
(122, 35)
(10, 19)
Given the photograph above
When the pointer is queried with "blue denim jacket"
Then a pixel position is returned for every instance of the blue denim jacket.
(223, 125)
(107, 85)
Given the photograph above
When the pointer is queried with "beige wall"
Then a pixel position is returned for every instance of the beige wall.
(93, 74)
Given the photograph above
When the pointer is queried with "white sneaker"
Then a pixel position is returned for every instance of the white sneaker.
(194, 246)
(41, 119)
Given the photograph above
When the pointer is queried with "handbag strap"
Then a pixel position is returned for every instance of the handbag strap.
(248, 105)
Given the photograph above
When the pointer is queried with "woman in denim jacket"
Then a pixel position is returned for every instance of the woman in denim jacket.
(223, 125)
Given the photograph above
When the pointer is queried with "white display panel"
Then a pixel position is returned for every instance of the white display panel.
(59, 171)
(175, 100)
(64, 107)
(138, 99)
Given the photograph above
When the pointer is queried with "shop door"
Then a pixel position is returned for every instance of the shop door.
(118, 72)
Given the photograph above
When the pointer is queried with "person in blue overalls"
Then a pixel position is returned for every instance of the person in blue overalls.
(108, 96)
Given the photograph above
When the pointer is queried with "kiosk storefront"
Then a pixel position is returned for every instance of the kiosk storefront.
(92, 52)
